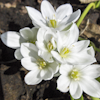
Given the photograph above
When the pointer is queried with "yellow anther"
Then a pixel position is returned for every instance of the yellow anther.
(64, 52)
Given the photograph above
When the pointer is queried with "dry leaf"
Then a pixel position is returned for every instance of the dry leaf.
(87, 1)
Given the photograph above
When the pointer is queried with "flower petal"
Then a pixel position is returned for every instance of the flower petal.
(31, 78)
(29, 49)
(82, 58)
(91, 51)
(40, 34)
(75, 90)
(62, 12)
(80, 45)
(18, 54)
(27, 33)
(57, 56)
(65, 69)
(46, 74)
(36, 16)
(91, 71)
(29, 63)
(11, 39)
(47, 10)
(91, 87)
(47, 56)
(63, 83)
(72, 18)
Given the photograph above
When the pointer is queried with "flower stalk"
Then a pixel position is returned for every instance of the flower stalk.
(85, 13)
(94, 5)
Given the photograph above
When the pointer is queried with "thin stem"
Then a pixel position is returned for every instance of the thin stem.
(85, 13)
(81, 98)
(93, 98)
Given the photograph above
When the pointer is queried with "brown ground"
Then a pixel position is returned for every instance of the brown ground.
(13, 17)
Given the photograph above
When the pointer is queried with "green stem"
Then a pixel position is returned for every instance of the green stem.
(85, 13)
(93, 98)
(81, 98)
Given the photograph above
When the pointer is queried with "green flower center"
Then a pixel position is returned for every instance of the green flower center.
(49, 46)
(52, 23)
(41, 63)
(30, 41)
(64, 52)
(74, 74)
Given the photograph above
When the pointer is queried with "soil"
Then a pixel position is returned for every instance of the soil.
(13, 17)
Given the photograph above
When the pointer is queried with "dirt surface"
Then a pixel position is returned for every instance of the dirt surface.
(13, 17)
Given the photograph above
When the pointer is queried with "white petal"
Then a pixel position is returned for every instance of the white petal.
(47, 56)
(91, 71)
(91, 51)
(57, 56)
(40, 34)
(31, 78)
(71, 35)
(72, 18)
(47, 10)
(11, 39)
(29, 63)
(18, 54)
(82, 58)
(53, 67)
(46, 74)
(26, 33)
(29, 49)
(36, 16)
(34, 31)
(63, 83)
(80, 45)
(75, 90)
(65, 69)
(62, 12)
(91, 87)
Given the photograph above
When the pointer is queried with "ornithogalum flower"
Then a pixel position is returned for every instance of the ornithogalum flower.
(79, 78)
(38, 67)
(72, 51)
(46, 42)
(48, 17)
(14, 39)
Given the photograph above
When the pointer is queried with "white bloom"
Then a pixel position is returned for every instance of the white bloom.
(39, 68)
(46, 43)
(14, 39)
(79, 78)
(48, 17)
(70, 51)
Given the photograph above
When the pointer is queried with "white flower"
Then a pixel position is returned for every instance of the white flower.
(14, 39)
(79, 78)
(46, 43)
(39, 68)
(48, 17)
(70, 51)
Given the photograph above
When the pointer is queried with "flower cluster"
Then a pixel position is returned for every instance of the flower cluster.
(51, 48)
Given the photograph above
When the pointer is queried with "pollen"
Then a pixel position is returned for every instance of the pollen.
(74, 74)
(49, 46)
(41, 63)
(52, 23)
(64, 52)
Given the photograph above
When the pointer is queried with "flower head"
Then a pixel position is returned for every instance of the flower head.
(14, 39)
(46, 42)
(72, 51)
(38, 67)
(79, 78)
(48, 17)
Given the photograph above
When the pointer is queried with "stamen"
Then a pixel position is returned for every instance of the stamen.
(50, 46)
(74, 74)
(64, 52)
